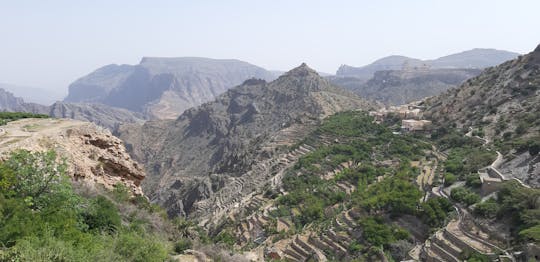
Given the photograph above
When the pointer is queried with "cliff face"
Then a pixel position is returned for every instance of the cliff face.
(102, 115)
(162, 87)
(195, 162)
(94, 155)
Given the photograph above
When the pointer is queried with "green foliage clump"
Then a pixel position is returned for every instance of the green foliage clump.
(396, 194)
(449, 179)
(6, 117)
(464, 195)
(377, 233)
(435, 211)
(102, 215)
(488, 209)
(43, 219)
(521, 204)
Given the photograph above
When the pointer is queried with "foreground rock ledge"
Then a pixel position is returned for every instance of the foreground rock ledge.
(94, 155)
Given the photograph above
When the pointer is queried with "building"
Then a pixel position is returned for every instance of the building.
(412, 125)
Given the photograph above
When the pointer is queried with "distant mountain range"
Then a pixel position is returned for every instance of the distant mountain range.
(163, 87)
(33, 94)
(477, 58)
(397, 80)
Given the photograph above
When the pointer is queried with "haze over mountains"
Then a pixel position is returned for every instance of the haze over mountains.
(477, 58)
(163, 87)
(398, 80)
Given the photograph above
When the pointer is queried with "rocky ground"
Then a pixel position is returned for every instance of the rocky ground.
(94, 155)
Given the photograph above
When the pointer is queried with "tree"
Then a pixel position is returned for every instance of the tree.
(39, 175)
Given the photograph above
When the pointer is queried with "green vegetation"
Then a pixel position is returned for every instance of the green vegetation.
(6, 117)
(377, 233)
(435, 211)
(380, 171)
(464, 195)
(42, 218)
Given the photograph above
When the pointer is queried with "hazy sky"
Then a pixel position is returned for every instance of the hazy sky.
(51, 43)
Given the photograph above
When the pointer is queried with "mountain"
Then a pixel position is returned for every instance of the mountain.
(393, 62)
(475, 58)
(398, 80)
(502, 104)
(8, 102)
(102, 115)
(216, 154)
(163, 87)
(33, 94)
(396, 87)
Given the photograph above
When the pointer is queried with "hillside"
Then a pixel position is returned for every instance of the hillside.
(162, 87)
(396, 87)
(216, 154)
(500, 105)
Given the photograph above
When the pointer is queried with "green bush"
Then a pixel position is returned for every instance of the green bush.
(102, 215)
(449, 179)
(487, 209)
(181, 245)
(43, 219)
(464, 196)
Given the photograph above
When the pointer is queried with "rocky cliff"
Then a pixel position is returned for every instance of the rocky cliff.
(102, 115)
(214, 155)
(94, 155)
(163, 87)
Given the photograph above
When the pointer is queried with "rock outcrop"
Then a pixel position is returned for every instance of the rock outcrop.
(215, 154)
(163, 87)
(94, 155)
(102, 115)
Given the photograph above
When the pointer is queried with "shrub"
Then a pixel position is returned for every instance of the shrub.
(102, 215)
(464, 196)
(487, 209)
(449, 179)
(181, 245)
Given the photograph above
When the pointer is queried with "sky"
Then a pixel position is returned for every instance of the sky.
(49, 44)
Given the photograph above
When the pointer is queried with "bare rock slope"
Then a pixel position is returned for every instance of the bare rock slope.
(163, 87)
(94, 155)
(216, 154)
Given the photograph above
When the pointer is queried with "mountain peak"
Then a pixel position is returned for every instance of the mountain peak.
(537, 50)
(302, 70)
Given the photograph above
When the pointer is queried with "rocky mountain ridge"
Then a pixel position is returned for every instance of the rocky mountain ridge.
(472, 59)
(163, 87)
(214, 155)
